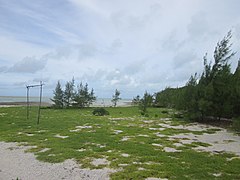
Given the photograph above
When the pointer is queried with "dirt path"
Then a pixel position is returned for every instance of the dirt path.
(15, 164)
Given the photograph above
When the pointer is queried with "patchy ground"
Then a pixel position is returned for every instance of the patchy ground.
(24, 166)
(73, 144)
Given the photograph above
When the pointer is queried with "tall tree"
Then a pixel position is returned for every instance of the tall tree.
(58, 96)
(190, 96)
(116, 97)
(221, 75)
(82, 97)
(68, 93)
(222, 54)
(91, 97)
(145, 102)
(236, 91)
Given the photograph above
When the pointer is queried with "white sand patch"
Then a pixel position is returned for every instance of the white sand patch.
(165, 119)
(99, 145)
(143, 135)
(221, 141)
(141, 169)
(184, 136)
(75, 130)
(123, 165)
(50, 155)
(190, 127)
(118, 131)
(157, 129)
(158, 134)
(83, 127)
(177, 144)
(100, 161)
(148, 121)
(5, 106)
(137, 162)
(3, 114)
(126, 138)
(125, 155)
(151, 163)
(59, 136)
(232, 158)
(153, 178)
(185, 141)
(79, 128)
(81, 150)
(16, 163)
(168, 149)
(40, 131)
(44, 150)
(217, 174)
(158, 145)
(119, 119)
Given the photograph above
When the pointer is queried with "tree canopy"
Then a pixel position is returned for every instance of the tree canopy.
(71, 97)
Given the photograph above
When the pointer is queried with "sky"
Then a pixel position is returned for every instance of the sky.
(130, 45)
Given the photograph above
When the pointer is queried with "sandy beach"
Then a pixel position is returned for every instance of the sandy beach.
(11, 104)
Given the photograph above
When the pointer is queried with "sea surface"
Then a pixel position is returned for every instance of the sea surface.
(99, 102)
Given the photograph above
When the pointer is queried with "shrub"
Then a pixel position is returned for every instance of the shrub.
(100, 112)
(164, 111)
(178, 115)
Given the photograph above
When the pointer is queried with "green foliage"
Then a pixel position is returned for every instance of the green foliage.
(169, 98)
(68, 93)
(58, 96)
(83, 98)
(116, 98)
(136, 100)
(145, 102)
(236, 91)
(71, 97)
(100, 112)
(216, 93)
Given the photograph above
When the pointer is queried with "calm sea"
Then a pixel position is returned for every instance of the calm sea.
(100, 101)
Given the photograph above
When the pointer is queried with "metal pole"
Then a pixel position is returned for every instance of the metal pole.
(27, 102)
(40, 101)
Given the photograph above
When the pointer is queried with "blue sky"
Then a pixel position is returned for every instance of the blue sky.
(133, 46)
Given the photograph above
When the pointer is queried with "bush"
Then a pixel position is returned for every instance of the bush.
(100, 112)
(178, 115)
(164, 111)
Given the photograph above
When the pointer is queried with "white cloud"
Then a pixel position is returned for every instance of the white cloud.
(28, 65)
(130, 45)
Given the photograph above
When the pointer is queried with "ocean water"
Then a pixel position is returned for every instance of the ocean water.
(23, 99)
(103, 102)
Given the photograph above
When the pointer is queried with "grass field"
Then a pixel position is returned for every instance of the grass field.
(137, 147)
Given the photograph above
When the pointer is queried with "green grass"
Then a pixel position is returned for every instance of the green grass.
(104, 138)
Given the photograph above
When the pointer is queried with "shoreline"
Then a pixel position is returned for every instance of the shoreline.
(32, 103)
(47, 104)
